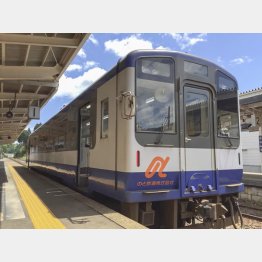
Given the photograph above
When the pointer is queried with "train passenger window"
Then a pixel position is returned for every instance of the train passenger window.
(227, 107)
(85, 113)
(35, 142)
(155, 96)
(61, 141)
(196, 106)
(104, 118)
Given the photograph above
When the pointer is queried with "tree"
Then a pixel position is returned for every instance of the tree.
(9, 148)
(37, 125)
(24, 136)
(20, 150)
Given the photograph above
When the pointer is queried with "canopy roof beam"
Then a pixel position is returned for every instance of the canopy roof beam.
(22, 96)
(29, 72)
(17, 39)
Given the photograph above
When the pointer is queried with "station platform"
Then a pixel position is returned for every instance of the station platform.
(29, 200)
(252, 179)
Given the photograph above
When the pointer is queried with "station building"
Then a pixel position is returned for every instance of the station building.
(251, 129)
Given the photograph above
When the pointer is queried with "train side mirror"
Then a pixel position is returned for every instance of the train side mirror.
(128, 101)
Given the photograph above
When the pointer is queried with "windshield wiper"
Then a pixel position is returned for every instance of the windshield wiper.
(166, 122)
(228, 139)
(230, 142)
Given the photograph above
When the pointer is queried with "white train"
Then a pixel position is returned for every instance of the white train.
(159, 133)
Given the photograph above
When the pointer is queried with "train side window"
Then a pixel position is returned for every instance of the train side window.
(85, 134)
(104, 118)
(35, 145)
(56, 143)
(227, 107)
(61, 141)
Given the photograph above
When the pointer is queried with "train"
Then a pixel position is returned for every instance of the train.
(159, 134)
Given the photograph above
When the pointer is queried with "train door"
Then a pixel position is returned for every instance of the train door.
(84, 145)
(198, 140)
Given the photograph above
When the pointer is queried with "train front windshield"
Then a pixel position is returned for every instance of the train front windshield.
(155, 91)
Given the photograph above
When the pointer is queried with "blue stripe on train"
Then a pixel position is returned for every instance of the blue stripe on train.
(232, 176)
(133, 187)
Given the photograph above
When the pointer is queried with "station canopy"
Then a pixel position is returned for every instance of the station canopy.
(251, 102)
(30, 68)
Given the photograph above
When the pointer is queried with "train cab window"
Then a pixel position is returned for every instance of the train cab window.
(227, 107)
(104, 118)
(195, 69)
(155, 96)
(155, 68)
(196, 106)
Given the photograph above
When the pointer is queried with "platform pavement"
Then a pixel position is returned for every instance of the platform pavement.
(70, 208)
(12, 211)
(252, 179)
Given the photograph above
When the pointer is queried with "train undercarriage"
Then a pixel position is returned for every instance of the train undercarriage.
(211, 212)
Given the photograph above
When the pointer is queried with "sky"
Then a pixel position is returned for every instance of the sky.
(239, 53)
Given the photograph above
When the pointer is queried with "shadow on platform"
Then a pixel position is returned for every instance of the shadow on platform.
(3, 179)
(63, 203)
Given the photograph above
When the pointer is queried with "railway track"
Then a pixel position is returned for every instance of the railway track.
(258, 218)
(252, 217)
(252, 208)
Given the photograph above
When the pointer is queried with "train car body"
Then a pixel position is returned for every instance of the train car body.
(160, 131)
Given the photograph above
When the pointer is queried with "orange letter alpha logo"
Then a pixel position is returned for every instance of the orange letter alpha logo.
(157, 164)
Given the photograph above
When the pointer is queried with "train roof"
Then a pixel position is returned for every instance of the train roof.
(130, 58)
(129, 61)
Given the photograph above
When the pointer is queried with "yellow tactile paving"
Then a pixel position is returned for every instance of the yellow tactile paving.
(40, 215)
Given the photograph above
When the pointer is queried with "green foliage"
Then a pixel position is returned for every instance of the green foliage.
(37, 125)
(24, 137)
(19, 149)
(9, 148)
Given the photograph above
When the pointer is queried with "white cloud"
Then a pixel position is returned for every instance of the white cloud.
(163, 48)
(241, 60)
(237, 61)
(72, 87)
(90, 64)
(219, 60)
(73, 67)
(93, 40)
(248, 59)
(77, 67)
(124, 46)
(185, 40)
(82, 53)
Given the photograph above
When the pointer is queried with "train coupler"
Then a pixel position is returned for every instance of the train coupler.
(211, 212)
